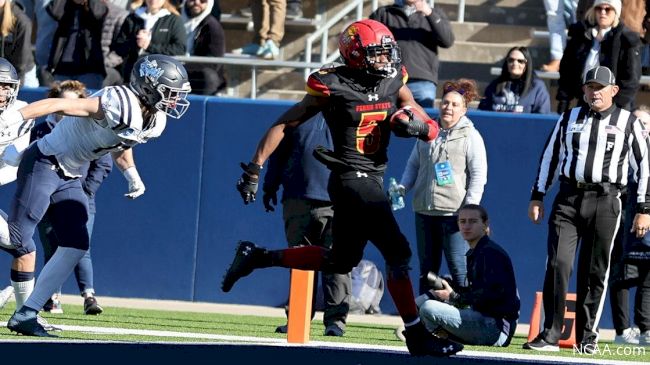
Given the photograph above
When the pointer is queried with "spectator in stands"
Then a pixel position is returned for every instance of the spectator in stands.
(600, 40)
(94, 173)
(556, 10)
(111, 28)
(294, 9)
(486, 311)
(517, 89)
(45, 26)
(268, 29)
(307, 210)
(458, 152)
(631, 268)
(419, 30)
(633, 13)
(205, 37)
(155, 27)
(16, 40)
(76, 53)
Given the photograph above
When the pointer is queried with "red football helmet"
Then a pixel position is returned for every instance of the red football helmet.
(362, 41)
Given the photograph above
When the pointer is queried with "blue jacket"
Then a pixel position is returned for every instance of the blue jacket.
(492, 288)
(293, 166)
(537, 100)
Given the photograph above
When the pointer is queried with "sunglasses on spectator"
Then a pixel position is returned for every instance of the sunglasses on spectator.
(600, 9)
(521, 61)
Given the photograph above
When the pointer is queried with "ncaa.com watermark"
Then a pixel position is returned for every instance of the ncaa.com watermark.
(607, 349)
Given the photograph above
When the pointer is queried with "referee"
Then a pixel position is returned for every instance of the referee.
(590, 149)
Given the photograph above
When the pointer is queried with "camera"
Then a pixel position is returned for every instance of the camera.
(435, 281)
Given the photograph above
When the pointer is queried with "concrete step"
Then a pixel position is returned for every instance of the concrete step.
(239, 80)
(500, 3)
(239, 29)
(486, 32)
(310, 8)
(486, 53)
(524, 15)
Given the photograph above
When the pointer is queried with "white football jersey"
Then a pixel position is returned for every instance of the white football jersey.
(13, 140)
(76, 140)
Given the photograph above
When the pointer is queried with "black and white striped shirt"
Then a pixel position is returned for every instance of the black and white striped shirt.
(591, 147)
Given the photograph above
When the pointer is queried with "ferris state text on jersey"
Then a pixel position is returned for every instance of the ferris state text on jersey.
(358, 113)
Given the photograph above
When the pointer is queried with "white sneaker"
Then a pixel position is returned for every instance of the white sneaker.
(270, 51)
(630, 336)
(5, 295)
(644, 338)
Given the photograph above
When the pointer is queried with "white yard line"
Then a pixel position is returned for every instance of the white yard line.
(249, 340)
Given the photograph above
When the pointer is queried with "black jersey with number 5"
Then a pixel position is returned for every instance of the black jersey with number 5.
(358, 113)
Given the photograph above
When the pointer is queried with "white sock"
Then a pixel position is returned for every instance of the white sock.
(22, 291)
(54, 273)
(88, 293)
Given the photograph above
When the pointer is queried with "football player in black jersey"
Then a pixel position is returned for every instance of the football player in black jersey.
(357, 100)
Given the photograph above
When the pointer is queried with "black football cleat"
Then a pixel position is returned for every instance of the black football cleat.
(420, 342)
(247, 258)
(539, 343)
(27, 326)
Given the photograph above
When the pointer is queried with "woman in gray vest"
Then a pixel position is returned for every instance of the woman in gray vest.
(444, 175)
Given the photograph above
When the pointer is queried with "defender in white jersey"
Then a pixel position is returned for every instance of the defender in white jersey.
(13, 141)
(113, 120)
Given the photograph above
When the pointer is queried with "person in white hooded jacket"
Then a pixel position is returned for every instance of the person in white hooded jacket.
(154, 27)
(445, 174)
(206, 38)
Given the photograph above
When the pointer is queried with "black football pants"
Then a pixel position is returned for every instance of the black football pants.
(591, 218)
(362, 213)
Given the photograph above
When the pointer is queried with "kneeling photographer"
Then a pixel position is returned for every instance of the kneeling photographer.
(486, 311)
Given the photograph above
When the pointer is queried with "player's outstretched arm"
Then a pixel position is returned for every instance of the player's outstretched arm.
(88, 107)
(296, 115)
(299, 113)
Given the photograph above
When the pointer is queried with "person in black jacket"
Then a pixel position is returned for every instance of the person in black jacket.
(76, 53)
(485, 312)
(155, 27)
(419, 30)
(600, 40)
(205, 37)
(16, 38)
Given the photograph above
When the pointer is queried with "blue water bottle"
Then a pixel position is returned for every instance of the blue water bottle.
(396, 198)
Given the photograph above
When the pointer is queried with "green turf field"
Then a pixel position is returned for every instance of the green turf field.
(204, 327)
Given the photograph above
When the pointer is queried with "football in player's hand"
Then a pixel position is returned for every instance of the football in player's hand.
(404, 115)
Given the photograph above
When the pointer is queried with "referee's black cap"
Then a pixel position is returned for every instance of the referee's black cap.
(601, 75)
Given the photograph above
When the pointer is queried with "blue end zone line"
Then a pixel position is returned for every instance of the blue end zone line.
(534, 357)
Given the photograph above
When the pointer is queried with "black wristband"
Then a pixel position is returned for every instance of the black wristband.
(253, 168)
(643, 208)
(537, 195)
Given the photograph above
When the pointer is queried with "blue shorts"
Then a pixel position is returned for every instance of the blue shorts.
(42, 185)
